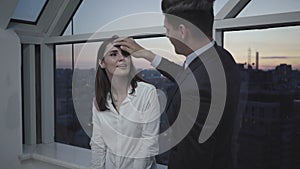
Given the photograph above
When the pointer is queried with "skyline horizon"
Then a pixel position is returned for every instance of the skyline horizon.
(141, 63)
(264, 67)
(275, 46)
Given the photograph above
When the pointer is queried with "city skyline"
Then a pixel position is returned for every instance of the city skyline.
(275, 46)
(85, 56)
(273, 51)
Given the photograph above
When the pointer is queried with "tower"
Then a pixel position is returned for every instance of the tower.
(249, 58)
(257, 60)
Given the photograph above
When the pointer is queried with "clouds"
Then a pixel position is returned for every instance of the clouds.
(280, 57)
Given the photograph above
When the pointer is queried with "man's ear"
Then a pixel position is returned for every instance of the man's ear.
(102, 64)
(183, 31)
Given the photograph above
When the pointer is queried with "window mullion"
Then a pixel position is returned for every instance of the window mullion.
(47, 93)
(29, 94)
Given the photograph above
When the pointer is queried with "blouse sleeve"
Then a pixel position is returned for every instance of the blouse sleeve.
(151, 126)
(97, 144)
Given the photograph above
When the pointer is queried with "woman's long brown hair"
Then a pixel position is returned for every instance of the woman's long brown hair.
(102, 82)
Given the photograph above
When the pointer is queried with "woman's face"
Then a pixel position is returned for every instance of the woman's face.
(115, 63)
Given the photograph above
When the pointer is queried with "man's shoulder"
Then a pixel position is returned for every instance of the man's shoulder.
(222, 51)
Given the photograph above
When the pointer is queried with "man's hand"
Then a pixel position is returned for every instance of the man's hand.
(134, 49)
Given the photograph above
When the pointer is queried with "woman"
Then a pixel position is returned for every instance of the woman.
(125, 114)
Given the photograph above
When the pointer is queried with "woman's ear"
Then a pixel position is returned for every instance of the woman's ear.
(102, 64)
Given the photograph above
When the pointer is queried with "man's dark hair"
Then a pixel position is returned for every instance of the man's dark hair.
(198, 12)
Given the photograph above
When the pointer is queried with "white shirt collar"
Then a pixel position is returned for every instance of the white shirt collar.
(196, 53)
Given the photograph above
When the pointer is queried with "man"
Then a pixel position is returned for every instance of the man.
(203, 105)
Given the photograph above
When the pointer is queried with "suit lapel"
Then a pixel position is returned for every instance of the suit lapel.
(181, 78)
(188, 71)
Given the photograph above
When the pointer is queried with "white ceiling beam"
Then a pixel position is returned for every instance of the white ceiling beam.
(231, 9)
(7, 9)
(259, 22)
(26, 39)
(49, 14)
(92, 37)
(28, 33)
(53, 20)
(35, 34)
(65, 10)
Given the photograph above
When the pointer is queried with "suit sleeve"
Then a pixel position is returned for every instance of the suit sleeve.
(169, 69)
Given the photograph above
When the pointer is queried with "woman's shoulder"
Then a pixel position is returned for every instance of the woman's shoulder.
(145, 86)
(95, 107)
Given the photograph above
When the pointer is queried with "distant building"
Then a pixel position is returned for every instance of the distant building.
(259, 137)
(283, 72)
(267, 138)
(296, 155)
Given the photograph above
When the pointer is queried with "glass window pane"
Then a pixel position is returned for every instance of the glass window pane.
(275, 46)
(93, 15)
(218, 5)
(67, 127)
(112, 15)
(85, 54)
(83, 88)
(264, 7)
(64, 56)
(269, 93)
(68, 30)
(162, 47)
(28, 10)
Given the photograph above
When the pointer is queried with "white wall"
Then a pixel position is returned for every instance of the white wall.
(10, 99)
(11, 106)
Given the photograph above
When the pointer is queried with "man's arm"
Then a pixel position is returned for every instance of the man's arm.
(166, 67)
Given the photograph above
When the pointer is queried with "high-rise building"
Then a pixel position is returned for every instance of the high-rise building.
(249, 58)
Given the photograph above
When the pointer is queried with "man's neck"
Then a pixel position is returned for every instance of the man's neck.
(195, 44)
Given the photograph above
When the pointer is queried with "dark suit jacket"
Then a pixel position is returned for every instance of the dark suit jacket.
(194, 93)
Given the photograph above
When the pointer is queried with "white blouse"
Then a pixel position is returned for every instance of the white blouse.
(127, 139)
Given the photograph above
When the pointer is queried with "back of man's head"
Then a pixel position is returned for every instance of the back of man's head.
(198, 12)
